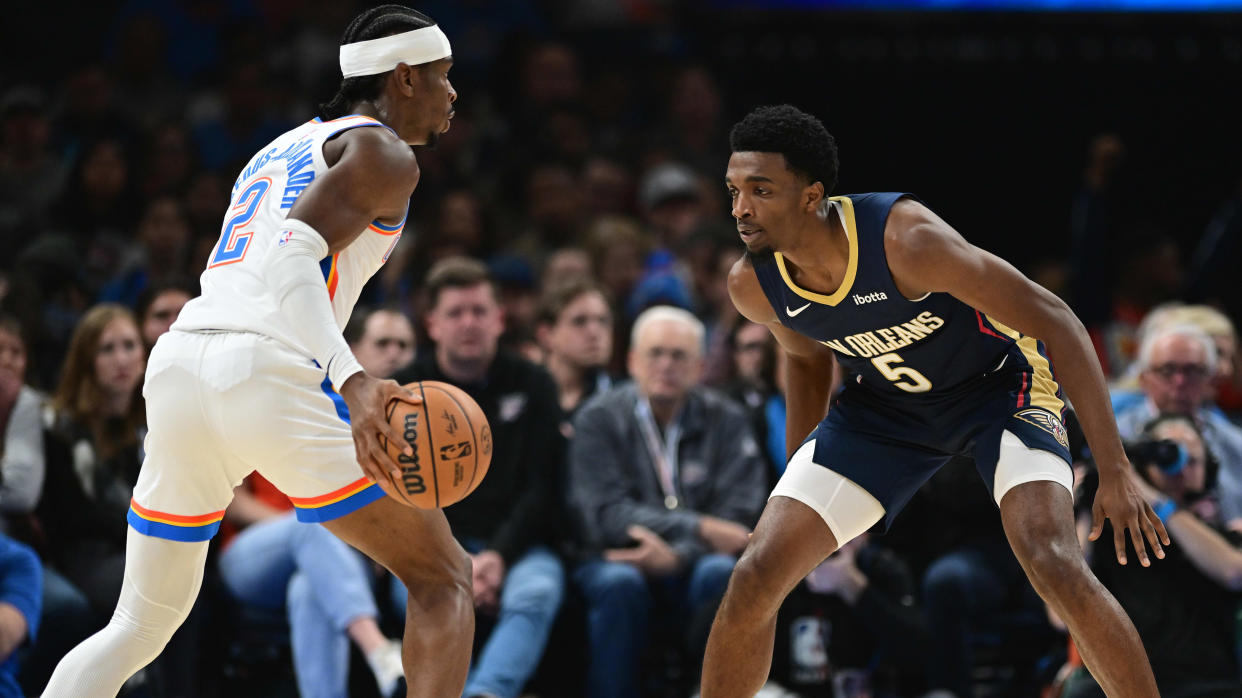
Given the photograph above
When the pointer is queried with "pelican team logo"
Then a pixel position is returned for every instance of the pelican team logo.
(1047, 422)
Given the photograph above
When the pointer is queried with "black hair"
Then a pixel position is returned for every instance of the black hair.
(357, 325)
(810, 151)
(374, 23)
(180, 283)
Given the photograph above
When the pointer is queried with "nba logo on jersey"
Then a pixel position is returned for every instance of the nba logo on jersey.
(284, 238)
(1047, 422)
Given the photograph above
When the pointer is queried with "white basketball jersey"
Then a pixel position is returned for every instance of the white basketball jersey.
(235, 294)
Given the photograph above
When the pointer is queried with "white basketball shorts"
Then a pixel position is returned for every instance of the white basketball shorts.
(221, 405)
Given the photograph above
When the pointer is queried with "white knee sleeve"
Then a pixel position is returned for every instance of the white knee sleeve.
(1019, 463)
(848, 509)
(162, 578)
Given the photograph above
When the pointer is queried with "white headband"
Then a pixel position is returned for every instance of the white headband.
(382, 55)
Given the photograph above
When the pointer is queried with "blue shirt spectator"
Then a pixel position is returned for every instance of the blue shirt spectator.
(21, 578)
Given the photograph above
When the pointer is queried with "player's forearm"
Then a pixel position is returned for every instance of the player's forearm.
(297, 283)
(1078, 370)
(809, 385)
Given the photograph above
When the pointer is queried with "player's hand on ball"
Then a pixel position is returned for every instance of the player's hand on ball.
(367, 399)
(1118, 499)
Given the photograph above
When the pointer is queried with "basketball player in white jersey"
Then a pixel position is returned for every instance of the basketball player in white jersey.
(256, 375)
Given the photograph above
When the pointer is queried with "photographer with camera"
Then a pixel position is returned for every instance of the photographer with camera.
(1178, 363)
(1184, 609)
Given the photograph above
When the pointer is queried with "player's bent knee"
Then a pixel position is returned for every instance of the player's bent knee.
(450, 566)
(753, 595)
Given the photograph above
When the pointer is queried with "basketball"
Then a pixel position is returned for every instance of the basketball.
(452, 444)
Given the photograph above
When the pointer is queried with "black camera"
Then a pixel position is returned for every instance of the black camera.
(1166, 454)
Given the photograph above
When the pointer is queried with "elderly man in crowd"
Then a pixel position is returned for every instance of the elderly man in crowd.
(667, 479)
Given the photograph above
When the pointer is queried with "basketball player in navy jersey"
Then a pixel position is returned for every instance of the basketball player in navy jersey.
(256, 375)
(938, 342)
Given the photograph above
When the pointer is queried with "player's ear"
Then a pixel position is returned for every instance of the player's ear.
(813, 195)
(405, 76)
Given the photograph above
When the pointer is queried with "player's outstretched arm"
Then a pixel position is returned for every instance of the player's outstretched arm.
(926, 255)
(808, 365)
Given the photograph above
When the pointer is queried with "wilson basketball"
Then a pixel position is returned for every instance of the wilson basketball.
(452, 444)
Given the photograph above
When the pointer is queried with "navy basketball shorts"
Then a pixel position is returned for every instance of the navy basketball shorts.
(872, 452)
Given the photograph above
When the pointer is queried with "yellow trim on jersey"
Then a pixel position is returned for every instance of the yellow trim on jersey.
(851, 265)
(1043, 386)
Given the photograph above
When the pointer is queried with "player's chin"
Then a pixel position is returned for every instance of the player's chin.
(757, 247)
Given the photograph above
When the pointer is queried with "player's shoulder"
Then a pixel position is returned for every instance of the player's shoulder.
(747, 293)
(381, 149)
(911, 226)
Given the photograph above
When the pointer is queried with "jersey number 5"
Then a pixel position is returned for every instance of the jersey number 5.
(234, 239)
(903, 377)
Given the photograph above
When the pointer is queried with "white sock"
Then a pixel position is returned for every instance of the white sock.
(385, 663)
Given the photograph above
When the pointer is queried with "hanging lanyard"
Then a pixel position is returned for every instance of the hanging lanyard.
(663, 454)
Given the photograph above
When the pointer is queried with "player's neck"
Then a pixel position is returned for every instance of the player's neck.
(816, 250)
(376, 109)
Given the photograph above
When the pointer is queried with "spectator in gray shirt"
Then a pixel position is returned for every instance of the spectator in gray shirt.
(21, 451)
(666, 480)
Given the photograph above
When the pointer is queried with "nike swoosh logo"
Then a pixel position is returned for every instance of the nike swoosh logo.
(794, 313)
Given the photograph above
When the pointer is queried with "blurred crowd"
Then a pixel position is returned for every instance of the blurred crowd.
(564, 262)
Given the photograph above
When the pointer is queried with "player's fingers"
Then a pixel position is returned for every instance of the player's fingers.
(1136, 537)
(1119, 542)
(383, 460)
(364, 459)
(408, 396)
(405, 394)
(1159, 526)
(394, 437)
(1148, 520)
(368, 466)
(1097, 520)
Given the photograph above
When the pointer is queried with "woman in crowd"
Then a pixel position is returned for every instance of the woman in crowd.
(94, 453)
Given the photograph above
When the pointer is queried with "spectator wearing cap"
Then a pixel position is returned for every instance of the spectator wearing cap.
(519, 301)
(1177, 363)
(673, 203)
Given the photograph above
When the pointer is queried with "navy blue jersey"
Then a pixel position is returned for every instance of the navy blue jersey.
(893, 346)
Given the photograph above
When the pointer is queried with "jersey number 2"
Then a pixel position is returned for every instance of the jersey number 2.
(234, 240)
(903, 377)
